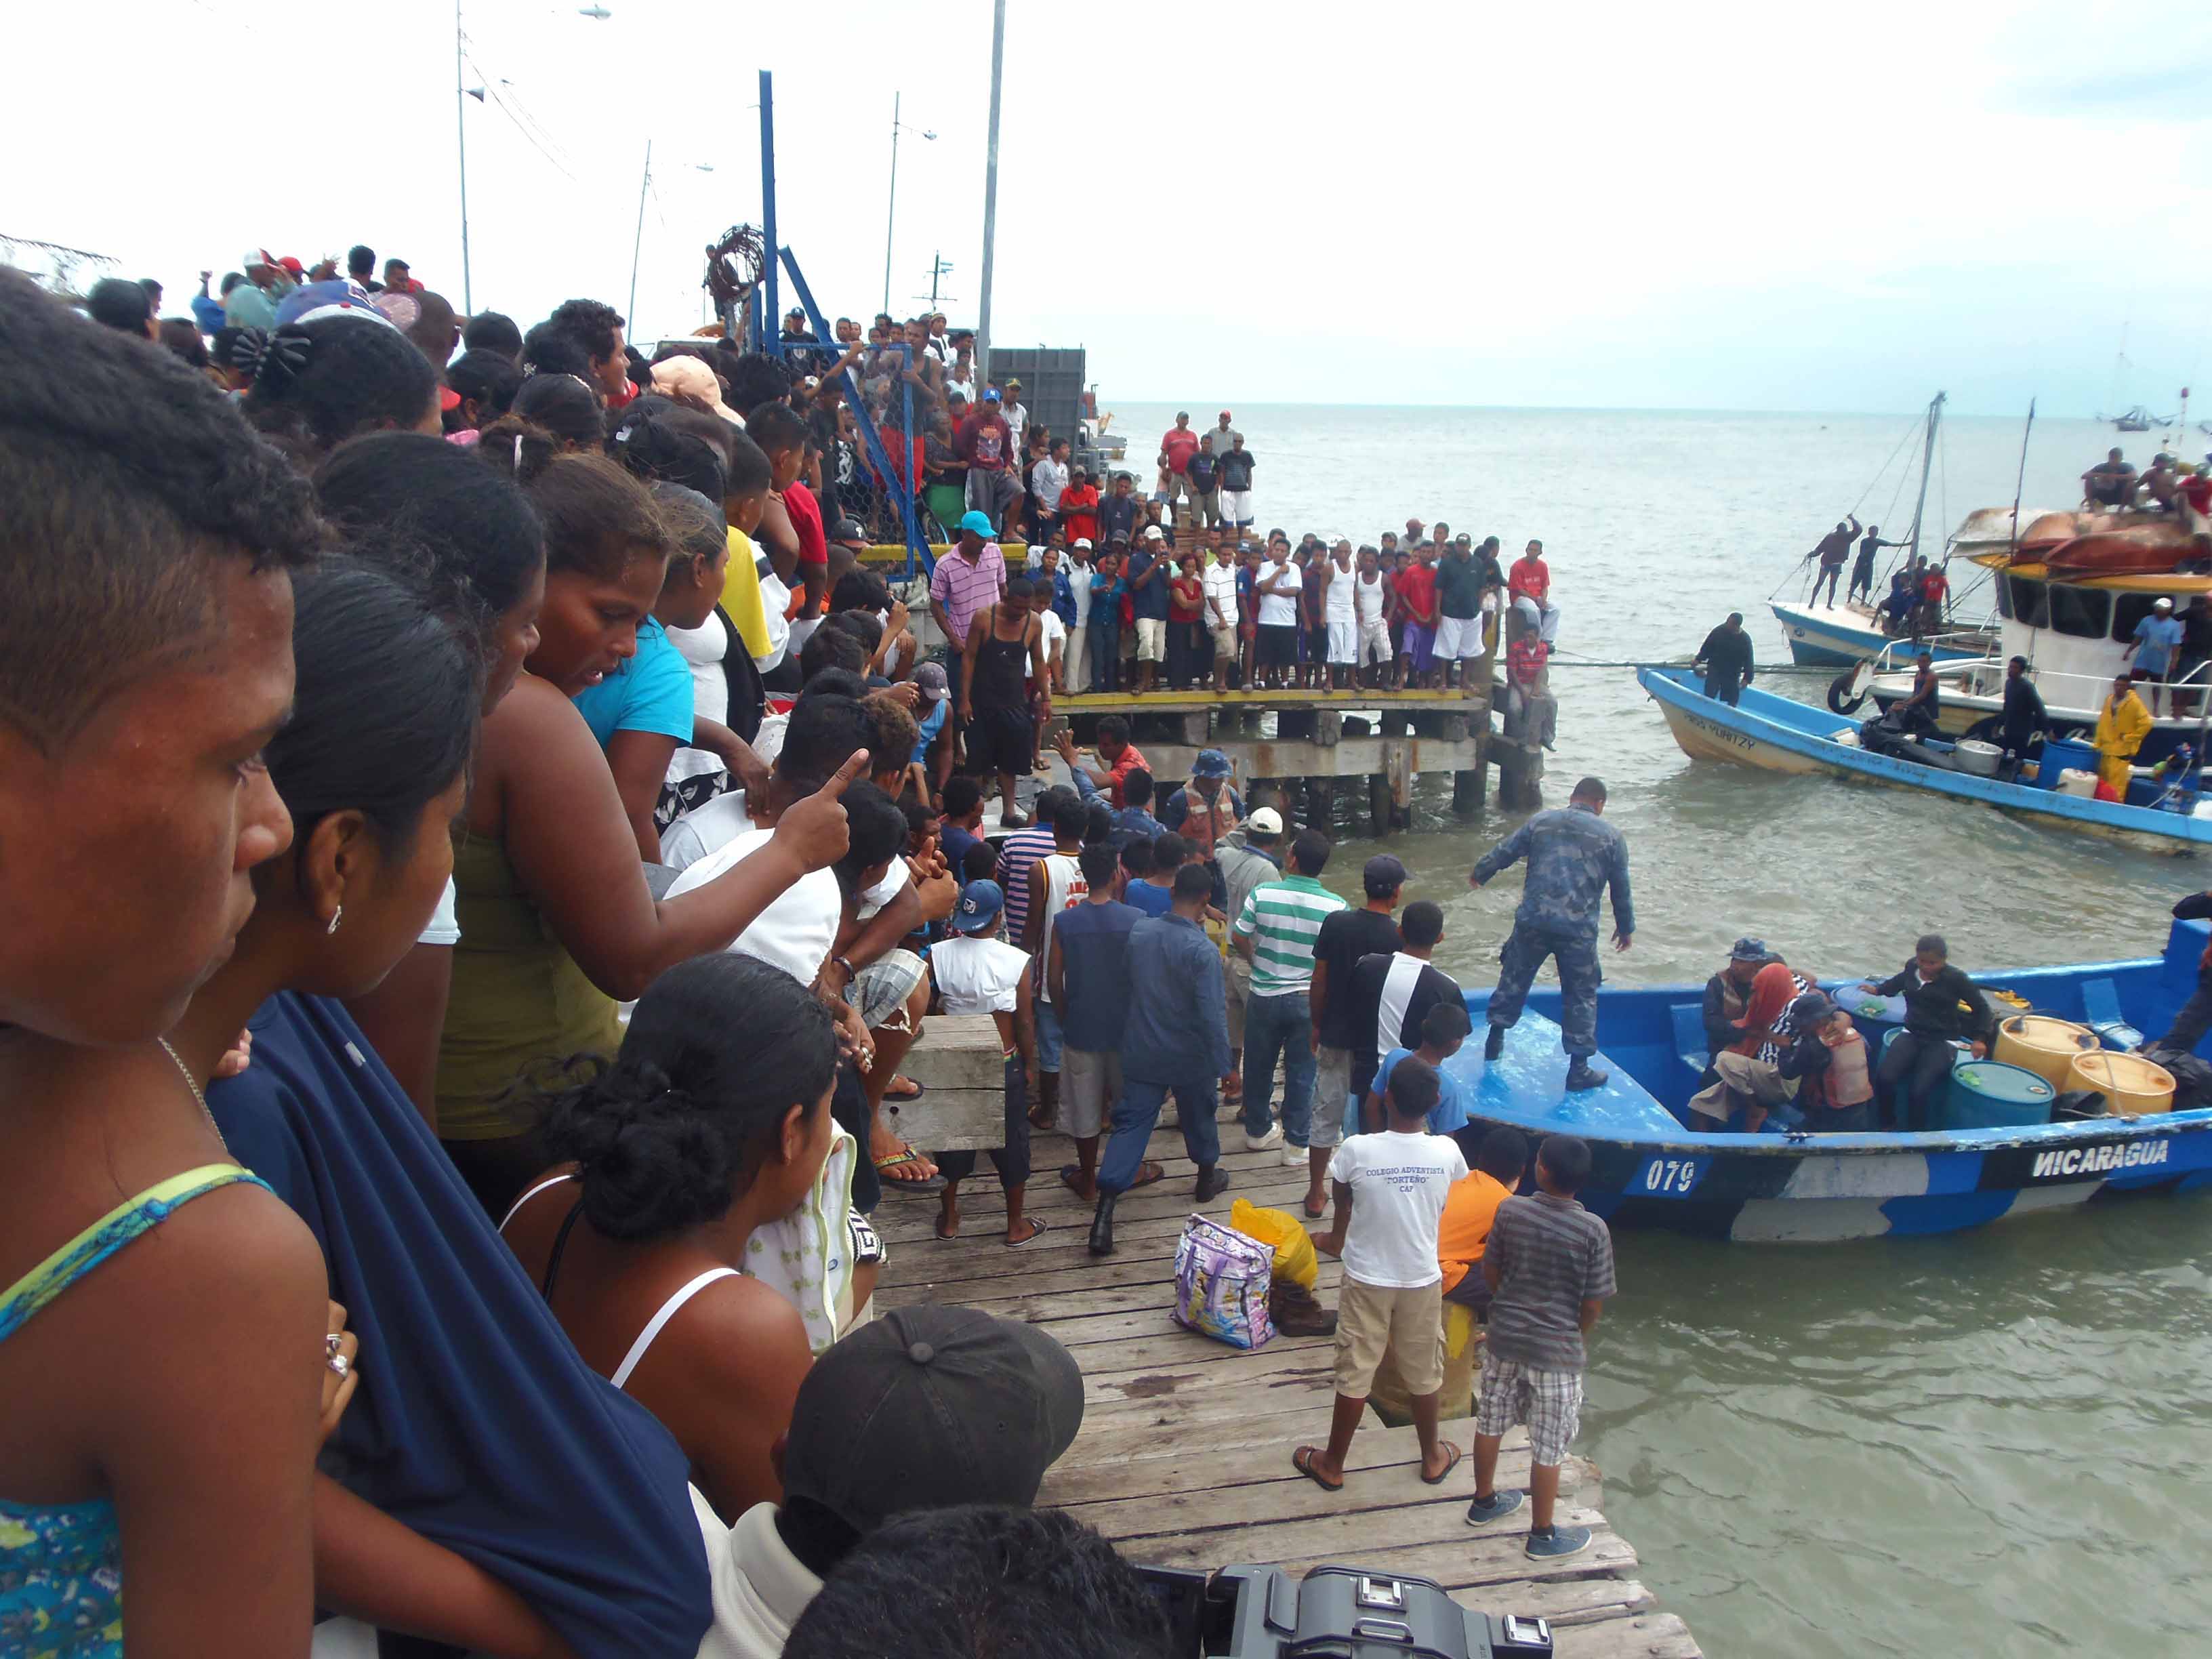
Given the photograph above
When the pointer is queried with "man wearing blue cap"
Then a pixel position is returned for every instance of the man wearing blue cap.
(979, 973)
(986, 442)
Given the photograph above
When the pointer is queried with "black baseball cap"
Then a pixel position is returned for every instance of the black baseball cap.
(929, 1407)
(1384, 875)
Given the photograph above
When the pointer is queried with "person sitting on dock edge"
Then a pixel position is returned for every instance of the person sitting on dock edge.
(1573, 855)
(1941, 1006)
(1549, 1264)
(1726, 655)
(1389, 1191)
(1175, 1040)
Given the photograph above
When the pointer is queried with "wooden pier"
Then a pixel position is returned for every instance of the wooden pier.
(1184, 1457)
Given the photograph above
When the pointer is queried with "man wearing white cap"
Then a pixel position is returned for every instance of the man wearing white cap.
(252, 303)
(2157, 637)
(1074, 581)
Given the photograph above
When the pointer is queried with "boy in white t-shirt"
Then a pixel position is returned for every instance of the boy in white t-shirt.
(978, 972)
(1390, 1191)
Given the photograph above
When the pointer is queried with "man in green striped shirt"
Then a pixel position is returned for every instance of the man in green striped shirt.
(1275, 931)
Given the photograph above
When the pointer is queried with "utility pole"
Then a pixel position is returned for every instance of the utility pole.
(637, 242)
(890, 214)
(461, 127)
(939, 267)
(990, 194)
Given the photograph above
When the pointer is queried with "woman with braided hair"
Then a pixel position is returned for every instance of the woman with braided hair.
(311, 386)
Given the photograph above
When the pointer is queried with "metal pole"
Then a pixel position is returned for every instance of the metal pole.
(461, 132)
(890, 216)
(990, 194)
(644, 184)
(1927, 458)
(774, 318)
(2019, 483)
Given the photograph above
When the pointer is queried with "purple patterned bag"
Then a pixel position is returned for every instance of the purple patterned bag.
(1222, 1280)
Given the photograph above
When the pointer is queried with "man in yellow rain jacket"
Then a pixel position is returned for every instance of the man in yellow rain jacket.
(2122, 725)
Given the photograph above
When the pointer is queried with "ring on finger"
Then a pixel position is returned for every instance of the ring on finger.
(339, 1365)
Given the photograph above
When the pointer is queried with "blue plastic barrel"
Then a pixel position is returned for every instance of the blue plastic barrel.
(2061, 753)
(1987, 1094)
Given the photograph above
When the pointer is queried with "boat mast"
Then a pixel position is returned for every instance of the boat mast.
(1927, 461)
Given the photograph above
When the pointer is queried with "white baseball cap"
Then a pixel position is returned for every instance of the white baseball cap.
(1267, 821)
(1154, 533)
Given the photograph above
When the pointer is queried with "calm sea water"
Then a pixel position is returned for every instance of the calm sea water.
(1996, 1442)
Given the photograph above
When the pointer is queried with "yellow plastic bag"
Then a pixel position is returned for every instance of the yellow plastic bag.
(1295, 1257)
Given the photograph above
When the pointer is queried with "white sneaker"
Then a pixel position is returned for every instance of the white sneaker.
(1263, 1143)
(1294, 1157)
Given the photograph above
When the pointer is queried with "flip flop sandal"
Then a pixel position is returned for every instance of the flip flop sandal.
(930, 1183)
(1038, 1230)
(1147, 1173)
(1302, 1460)
(912, 1092)
(1450, 1463)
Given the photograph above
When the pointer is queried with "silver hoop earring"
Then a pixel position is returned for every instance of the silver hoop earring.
(335, 915)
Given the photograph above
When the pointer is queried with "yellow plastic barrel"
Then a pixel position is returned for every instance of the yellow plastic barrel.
(2130, 1085)
(2043, 1045)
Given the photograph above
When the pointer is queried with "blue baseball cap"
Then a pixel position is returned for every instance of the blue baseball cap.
(978, 522)
(979, 907)
(991, 396)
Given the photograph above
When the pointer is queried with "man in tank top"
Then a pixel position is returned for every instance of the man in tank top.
(1004, 651)
(1371, 611)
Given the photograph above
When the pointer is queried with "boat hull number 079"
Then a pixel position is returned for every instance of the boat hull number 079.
(1668, 1177)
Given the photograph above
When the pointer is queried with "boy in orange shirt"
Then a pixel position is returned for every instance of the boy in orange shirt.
(1470, 1207)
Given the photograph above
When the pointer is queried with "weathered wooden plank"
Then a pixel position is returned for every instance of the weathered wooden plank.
(1199, 1464)
(1495, 1553)
(948, 1119)
(1268, 1486)
(1645, 1635)
(957, 1051)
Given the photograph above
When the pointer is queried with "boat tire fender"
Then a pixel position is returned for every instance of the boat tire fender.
(1846, 694)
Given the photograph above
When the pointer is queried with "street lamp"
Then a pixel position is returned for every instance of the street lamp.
(461, 96)
(891, 217)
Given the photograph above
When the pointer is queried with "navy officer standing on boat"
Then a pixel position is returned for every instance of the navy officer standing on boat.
(1572, 853)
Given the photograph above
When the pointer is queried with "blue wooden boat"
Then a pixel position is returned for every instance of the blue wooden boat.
(1782, 735)
(1649, 1170)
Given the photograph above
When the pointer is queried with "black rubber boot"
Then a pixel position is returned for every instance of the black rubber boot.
(1494, 1044)
(1581, 1075)
(1212, 1181)
(1102, 1225)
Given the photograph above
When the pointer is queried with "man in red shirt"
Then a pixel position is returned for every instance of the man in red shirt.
(1176, 448)
(1078, 508)
(1531, 576)
(1118, 756)
(1417, 601)
(986, 442)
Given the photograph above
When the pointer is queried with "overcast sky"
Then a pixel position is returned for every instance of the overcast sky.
(1697, 206)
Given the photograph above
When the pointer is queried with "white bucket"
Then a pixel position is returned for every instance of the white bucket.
(2074, 781)
(1979, 758)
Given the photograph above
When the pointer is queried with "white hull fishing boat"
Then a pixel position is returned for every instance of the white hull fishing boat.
(1825, 630)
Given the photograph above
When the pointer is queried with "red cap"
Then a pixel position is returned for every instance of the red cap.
(448, 399)
(293, 265)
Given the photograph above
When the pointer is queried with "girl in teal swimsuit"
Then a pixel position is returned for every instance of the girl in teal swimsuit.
(162, 1322)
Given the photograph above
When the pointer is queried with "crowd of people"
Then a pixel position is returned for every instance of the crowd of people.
(1146, 603)
(524, 843)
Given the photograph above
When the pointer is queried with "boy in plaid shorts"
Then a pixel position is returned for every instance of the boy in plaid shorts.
(1549, 1262)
